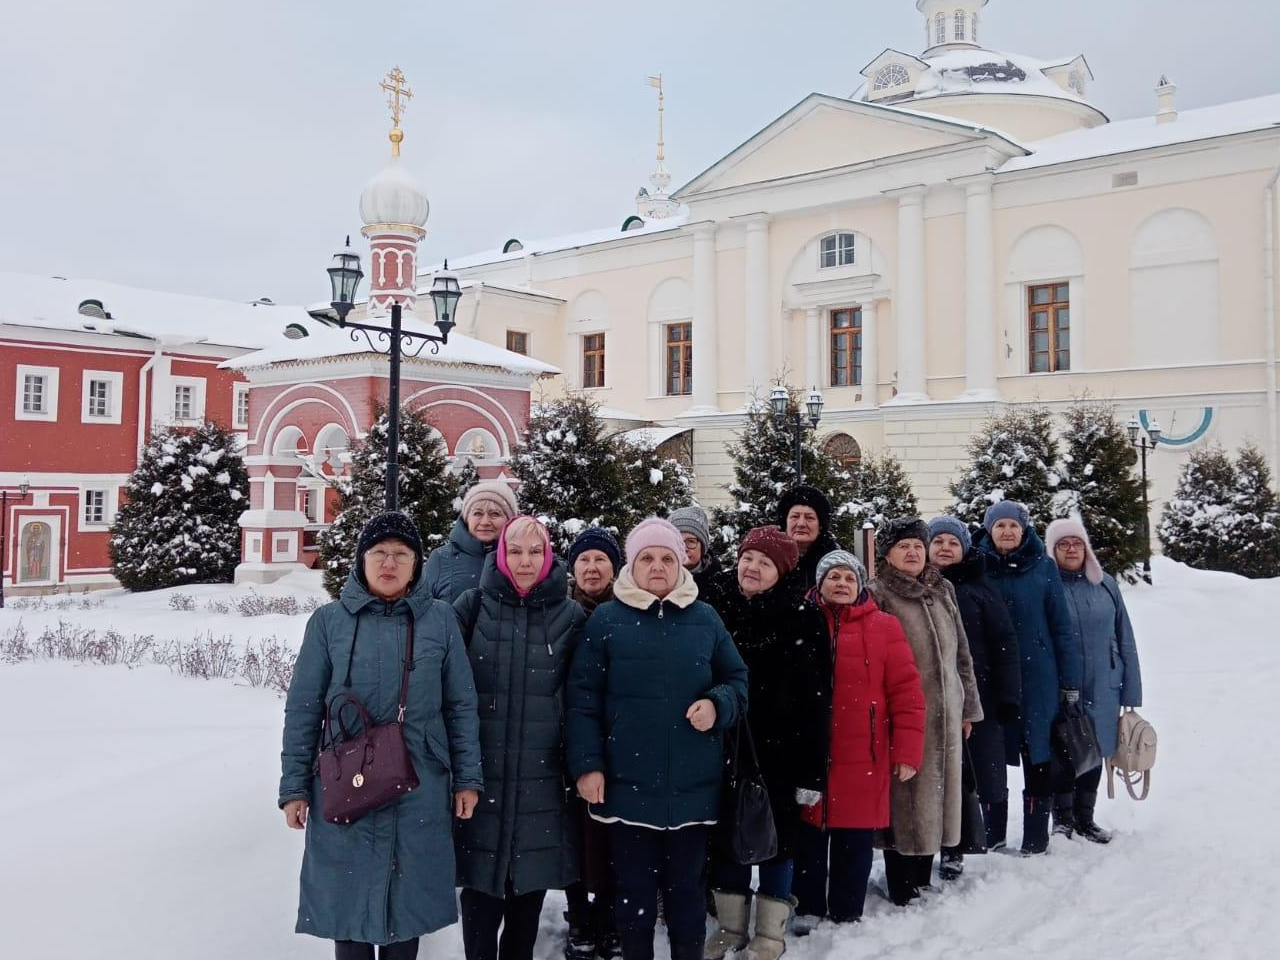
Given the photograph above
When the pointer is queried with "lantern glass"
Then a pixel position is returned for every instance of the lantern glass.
(1132, 427)
(345, 276)
(445, 294)
(1154, 432)
(814, 405)
(778, 401)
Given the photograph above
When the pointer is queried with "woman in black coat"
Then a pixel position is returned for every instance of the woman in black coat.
(993, 644)
(784, 641)
(804, 512)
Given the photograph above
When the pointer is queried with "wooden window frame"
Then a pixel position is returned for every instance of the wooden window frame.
(677, 359)
(523, 336)
(593, 347)
(852, 366)
(1057, 326)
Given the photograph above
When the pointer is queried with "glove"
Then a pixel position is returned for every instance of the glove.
(808, 798)
(1007, 714)
(1069, 696)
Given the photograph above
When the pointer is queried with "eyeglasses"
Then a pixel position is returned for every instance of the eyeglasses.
(1071, 544)
(400, 557)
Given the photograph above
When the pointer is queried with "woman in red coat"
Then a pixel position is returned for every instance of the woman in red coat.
(876, 689)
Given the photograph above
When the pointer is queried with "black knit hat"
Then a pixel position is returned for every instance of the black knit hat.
(805, 495)
(596, 538)
(900, 528)
(387, 526)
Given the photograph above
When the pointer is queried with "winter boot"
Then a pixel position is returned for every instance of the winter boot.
(688, 948)
(1064, 818)
(580, 940)
(636, 944)
(1085, 801)
(950, 864)
(772, 917)
(1035, 824)
(733, 910)
(996, 816)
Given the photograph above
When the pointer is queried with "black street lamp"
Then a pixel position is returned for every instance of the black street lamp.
(345, 275)
(1145, 444)
(779, 400)
(23, 488)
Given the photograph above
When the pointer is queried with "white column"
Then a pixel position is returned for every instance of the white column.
(979, 299)
(908, 295)
(706, 349)
(870, 348)
(756, 326)
(812, 348)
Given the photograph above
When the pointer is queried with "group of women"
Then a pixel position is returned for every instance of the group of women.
(569, 721)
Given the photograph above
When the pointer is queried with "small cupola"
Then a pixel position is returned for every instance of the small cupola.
(950, 24)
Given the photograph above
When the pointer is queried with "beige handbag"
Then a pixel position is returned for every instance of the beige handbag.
(1134, 757)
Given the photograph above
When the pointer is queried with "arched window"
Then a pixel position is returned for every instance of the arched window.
(836, 250)
(940, 29)
(894, 75)
(844, 449)
(959, 25)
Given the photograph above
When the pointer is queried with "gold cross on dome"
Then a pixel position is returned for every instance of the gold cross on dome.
(396, 89)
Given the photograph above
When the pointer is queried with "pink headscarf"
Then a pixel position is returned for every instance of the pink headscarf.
(547, 557)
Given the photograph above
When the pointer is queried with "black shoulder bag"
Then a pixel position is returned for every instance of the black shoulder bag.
(746, 831)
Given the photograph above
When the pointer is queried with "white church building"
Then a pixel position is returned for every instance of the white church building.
(967, 229)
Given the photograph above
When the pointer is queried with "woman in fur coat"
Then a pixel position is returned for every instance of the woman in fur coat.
(925, 810)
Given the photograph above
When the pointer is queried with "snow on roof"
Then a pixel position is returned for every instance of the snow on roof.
(956, 72)
(566, 242)
(652, 437)
(1143, 133)
(53, 303)
(324, 342)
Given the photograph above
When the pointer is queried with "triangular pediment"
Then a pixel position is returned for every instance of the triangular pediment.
(823, 133)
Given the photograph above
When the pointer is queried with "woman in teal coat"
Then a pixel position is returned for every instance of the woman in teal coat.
(454, 567)
(386, 879)
(1108, 660)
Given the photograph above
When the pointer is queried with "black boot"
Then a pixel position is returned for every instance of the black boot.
(636, 944)
(996, 816)
(1064, 818)
(1085, 801)
(687, 948)
(1035, 824)
(580, 943)
(950, 864)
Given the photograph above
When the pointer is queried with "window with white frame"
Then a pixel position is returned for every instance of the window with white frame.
(940, 28)
(37, 393)
(959, 34)
(973, 29)
(240, 406)
(188, 399)
(94, 510)
(888, 77)
(836, 250)
(100, 396)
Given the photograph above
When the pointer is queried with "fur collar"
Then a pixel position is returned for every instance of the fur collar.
(626, 590)
(929, 584)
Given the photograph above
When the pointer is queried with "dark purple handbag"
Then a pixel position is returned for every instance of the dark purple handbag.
(371, 768)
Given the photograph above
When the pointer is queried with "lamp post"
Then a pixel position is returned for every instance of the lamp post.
(1144, 445)
(779, 400)
(23, 488)
(344, 276)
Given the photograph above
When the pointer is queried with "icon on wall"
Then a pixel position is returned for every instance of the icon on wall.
(34, 551)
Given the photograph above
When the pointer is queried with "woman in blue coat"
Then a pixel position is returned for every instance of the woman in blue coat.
(1028, 582)
(454, 567)
(1109, 662)
(655, 683)
(387, 878)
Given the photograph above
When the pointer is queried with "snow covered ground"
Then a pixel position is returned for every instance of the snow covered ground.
(139, 808)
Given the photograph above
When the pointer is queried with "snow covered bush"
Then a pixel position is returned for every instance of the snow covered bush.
(1013, 457)
(426, 491)
(179, 522)
(655, 485)
(1224, 515)
(1100, 486)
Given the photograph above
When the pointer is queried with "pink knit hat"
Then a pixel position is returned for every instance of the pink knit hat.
(655, 532)
(1071, 527)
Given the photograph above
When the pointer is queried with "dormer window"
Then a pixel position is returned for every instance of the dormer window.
(894, 75)
(959, 35)
(940, 28)
(836, 250)
(1075, 83)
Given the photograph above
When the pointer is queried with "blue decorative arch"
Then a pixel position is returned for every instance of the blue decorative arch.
(1206, 418)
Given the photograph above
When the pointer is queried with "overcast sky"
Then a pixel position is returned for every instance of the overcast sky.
(220, 147)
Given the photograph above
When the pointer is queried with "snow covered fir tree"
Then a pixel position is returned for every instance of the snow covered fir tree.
(179, 521)
(1101, 487)
(465, 476)
(573, 476)
(1224, 514)
(1013, 457)
(763, 455)
(427, 491)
